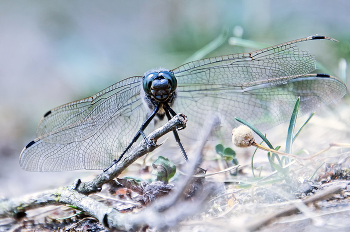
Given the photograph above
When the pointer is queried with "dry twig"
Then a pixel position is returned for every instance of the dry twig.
(76, 194)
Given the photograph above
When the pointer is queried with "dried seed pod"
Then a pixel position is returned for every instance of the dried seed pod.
(243, 136)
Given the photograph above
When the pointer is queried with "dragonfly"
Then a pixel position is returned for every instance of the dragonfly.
(260, 87)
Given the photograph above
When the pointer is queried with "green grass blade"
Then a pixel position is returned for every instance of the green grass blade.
(280, 169)
(210, 46)
(252, 162)
(289, 140)
(271, 159)
(296, 135)
(293, 119)
(273, 156)
(260, 171)
(277, 156)
(310, 178)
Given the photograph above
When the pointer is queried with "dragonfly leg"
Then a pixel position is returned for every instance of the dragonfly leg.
(145, 138)
(140, 132)
(176, 135)
(172, 112)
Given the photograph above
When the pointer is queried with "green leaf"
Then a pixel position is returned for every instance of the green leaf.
(229, 152)
(163, 169)
(219, 149)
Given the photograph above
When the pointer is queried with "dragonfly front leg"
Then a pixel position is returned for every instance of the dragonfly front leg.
(140, 132)
(172, 112)
(176, 135)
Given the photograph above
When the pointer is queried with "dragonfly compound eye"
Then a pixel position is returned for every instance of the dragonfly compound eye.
(147, 81)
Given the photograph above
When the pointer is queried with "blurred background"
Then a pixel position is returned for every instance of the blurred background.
(54, 52)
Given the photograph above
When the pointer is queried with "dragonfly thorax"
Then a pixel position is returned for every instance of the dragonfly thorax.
(159, 84)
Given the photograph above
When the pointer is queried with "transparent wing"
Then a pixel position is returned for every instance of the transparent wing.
(82, 118)
(89, 133)
(277, 61)
(260, 87)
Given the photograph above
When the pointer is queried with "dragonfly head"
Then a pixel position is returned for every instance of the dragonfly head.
(160, 84)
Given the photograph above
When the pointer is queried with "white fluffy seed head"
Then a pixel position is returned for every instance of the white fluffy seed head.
(242, 136)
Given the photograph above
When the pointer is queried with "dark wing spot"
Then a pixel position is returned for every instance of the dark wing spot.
(30, 144)
(47, 114)
(318, 37)
(322, 75)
